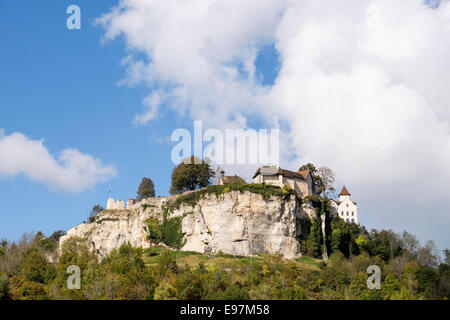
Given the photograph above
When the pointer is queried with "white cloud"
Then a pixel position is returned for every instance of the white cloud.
(72, 171)
(363, 86)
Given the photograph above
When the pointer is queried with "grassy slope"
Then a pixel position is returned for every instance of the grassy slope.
(223, 261)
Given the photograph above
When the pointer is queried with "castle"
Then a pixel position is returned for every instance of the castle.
(236, 222)
(301, 181)
(345, 207)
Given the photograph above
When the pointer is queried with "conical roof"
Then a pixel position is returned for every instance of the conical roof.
(344, 192)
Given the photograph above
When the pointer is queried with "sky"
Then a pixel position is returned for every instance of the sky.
(360, 86)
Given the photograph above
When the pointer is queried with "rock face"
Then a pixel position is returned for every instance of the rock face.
(234, 223)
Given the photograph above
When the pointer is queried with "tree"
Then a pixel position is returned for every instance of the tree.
(447, 256)
(21, 289)
(428, 255)
(146, 189)
(317, 180)
(94, 211)
(309, 166)
(167, 231)
(314, 241)
(327, 178)
(358, 286)
(50, 243)
(35, 268)
(4, 286)
(191, 174)
(410, 243)
(390, 286)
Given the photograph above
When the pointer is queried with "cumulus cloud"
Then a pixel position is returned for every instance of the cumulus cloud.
(72, 171)
(362, 86)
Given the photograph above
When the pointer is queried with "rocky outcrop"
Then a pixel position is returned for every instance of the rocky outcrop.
(238, 223)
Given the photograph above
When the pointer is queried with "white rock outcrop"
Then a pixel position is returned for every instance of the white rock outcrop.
(234, 223)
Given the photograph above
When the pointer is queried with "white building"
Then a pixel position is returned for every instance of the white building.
(346, 208)
(300, 181)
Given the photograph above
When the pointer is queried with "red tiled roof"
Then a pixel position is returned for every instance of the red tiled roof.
(344, 192)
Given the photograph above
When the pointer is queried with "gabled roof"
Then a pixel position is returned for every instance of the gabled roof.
(232, 179)
(273, 170)
(344, 192)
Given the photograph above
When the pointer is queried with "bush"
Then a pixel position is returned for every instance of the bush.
(167, 231)
(22, 289)
(35, 268)
(265, 190)
(165, 291)
(4, 286)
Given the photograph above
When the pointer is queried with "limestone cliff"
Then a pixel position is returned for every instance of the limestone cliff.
(238, 223)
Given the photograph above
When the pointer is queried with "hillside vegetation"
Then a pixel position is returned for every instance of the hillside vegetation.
(408, 271)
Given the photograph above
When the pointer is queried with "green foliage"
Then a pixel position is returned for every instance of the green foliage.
(48, 243)
(22, 289)
(166, 263)
(265, 190)
(343, 237)
(4, 286)
(314, 241)
(384, 243)
(165, 291)
(427, 281)
(146, 189)
(358, 286)
(161, 273)
(391, 286)
(35, 268)
(191, 174)
(310, 260)
(447, 257)
(125, 259)
(167, 231)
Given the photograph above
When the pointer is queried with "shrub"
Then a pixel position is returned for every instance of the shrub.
(167, 231)
(4, 286)
(265, 190)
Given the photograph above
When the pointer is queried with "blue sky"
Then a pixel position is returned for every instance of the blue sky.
(62, 86)
(342, 84)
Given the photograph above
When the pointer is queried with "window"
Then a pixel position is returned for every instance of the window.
(353, 220)
(347, 213)
(352, 214)
(347, 205)
(346, 220)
